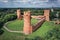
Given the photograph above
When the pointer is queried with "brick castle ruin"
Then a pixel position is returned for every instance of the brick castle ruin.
(28, 28)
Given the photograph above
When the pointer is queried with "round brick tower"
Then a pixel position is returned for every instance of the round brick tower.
(19, 14)
(27, 23)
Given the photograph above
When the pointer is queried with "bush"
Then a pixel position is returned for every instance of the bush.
(9, 17)
(1, 32)
(1, 22)
(38, 38)
(53, 34)
(29, 39)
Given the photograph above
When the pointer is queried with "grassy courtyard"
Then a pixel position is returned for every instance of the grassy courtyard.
(17, 25)
(41, 32)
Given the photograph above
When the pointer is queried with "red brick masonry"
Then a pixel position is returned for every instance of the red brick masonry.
(38, 24)
(37, 17)
(27, 23)
(46, 14)
(28, 28)
(19, 14)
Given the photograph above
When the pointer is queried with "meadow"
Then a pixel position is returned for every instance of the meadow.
(41, 32)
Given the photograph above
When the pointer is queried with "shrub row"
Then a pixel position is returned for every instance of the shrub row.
(53, 34)
(1, 22)
(9, 17)
(6, 18)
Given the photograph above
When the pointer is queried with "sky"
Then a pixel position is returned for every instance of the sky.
(29, 3)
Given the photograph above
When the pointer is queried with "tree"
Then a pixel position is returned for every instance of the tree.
(10, 17)
(1, 23)
(53, 34)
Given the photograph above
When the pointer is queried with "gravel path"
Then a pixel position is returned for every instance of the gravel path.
(11, 30)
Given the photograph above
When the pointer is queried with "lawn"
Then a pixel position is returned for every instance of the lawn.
(17, 25)
(11, 36)
(47, 26)
(41, 32)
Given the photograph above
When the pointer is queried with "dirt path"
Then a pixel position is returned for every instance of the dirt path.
(11, 30)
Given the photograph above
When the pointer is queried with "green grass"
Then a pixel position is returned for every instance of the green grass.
(34, 21)
(17, 25)
(41, 32)
(14, 25)
(47, 26)
(11, 36)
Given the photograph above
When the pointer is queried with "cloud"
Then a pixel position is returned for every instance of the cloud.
(29, 3)
(19, 1)
(5, 1)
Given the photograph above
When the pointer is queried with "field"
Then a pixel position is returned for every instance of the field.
(17, 25)
(41, 32)
(9, 16)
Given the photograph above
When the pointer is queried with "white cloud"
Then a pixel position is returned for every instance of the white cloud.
(24, 1)
(5, 1)
(21, 0)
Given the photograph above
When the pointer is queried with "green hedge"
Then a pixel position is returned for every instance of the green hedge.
(6, 18)
(53, 34)
(1, 22)
(9, 17)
